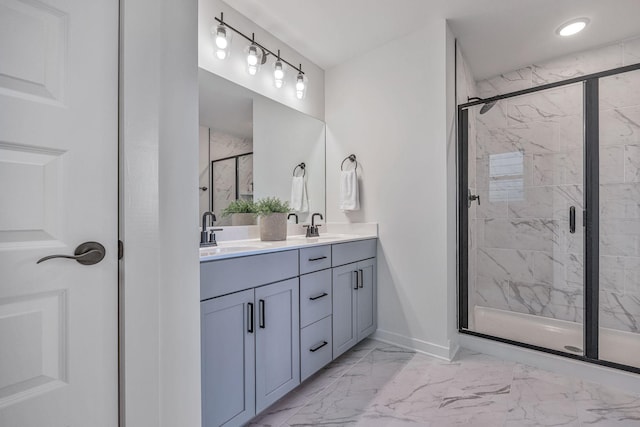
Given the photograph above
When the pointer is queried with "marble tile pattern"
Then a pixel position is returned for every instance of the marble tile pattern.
(376, 384)
(224, 145)
(529, 171)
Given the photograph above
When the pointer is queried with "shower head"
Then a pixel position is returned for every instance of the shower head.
(486, 107)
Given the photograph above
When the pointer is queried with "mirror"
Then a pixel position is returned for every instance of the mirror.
(250, 147)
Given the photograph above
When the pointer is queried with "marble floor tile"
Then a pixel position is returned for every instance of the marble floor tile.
(380, 385)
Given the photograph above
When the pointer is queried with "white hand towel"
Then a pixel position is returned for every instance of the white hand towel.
(299, 200)
(349, 197)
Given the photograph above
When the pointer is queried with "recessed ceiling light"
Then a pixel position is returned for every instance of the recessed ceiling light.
(572, 27)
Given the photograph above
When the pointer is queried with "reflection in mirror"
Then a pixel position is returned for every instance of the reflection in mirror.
(249, 147)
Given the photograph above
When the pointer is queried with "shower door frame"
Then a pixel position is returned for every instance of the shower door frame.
(591, 218)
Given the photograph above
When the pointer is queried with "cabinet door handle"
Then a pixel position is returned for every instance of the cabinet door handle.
(317, 259)
(318, 347)
(261, 307)
(324, 294)
(250, 317)
(361, 279)
(356, 285)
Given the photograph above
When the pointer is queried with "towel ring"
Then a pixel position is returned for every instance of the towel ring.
(351, 157)
(301, 166)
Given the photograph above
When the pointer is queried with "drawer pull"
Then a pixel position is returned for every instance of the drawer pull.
(313, 350)
(324, 294)
(318, 259)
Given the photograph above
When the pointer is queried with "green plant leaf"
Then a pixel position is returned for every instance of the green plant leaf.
(239, 206)
(270, 205)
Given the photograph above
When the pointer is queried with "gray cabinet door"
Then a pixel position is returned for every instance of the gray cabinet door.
(277, 341)
(228, 360)
(366, 299)
(344, 308)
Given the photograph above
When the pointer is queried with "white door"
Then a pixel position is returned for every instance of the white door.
(58, 189)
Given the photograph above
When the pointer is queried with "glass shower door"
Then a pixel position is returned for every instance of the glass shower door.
(619, 273)
(524, 207)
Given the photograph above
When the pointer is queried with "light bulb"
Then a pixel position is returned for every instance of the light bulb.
(252, 70)
(252, 58)
(221, 38)
(278, 74)
(300, 86)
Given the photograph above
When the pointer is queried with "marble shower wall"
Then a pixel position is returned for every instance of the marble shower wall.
(528, 172)
(224, 145)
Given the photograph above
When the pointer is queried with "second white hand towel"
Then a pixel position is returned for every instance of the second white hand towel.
(349, 197)
(299, 200)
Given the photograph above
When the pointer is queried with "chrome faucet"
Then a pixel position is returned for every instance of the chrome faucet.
(208, 237)
(312, 230)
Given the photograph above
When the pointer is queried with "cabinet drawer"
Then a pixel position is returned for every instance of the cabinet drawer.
(314, 353)
(237, 274)
(315, 258)
(346, 253)
(315, 297)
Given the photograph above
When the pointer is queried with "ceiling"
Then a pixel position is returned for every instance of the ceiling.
(495, 35)
(224, 105)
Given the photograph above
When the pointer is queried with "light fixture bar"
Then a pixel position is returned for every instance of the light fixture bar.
(249, 39)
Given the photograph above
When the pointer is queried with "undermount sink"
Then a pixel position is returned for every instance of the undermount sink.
(322, 237)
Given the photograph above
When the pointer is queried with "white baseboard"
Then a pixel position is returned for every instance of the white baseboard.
(419, 346)
(610, 377)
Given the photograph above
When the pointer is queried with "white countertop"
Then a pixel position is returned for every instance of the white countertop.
(241, 248)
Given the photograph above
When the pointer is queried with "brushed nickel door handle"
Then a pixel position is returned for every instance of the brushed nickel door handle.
(87, 253)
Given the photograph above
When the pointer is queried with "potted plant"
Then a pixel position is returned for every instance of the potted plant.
(273, 218)
(243, 212)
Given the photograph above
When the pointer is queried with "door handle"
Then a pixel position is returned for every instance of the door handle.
(250, 317)
(357, 284)
(572, 219)
(472, 197)
(317, 259)
(361, 279)
(261, 307)
(88, 253)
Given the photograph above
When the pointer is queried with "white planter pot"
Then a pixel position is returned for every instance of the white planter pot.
(243, 219)
(273, 227)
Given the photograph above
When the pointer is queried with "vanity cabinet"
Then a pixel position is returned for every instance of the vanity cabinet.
(354, 294)
(250, 339)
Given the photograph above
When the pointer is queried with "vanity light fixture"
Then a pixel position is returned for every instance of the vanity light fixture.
(256, 56)
(278, 72)
(301, 84)
(572, 27)
(222, 39)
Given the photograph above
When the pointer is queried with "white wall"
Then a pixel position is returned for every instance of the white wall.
(284, 138)
(159, 312)
(388, 107)
(234, 67)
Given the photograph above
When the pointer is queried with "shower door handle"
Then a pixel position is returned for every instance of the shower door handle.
(472, 197)
(572, 219)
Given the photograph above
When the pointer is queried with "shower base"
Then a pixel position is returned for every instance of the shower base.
(614, 346)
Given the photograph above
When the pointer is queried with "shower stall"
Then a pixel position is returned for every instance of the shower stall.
(549, 217)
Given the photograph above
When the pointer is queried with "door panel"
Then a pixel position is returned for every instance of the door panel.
(366, 299)
(277, 341)
(228, 360)
(58, 186)
(523, 202)
(345, 335)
